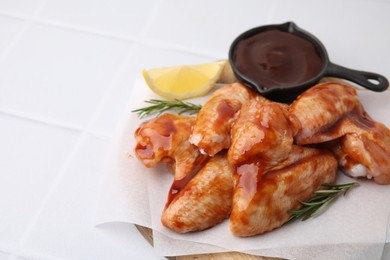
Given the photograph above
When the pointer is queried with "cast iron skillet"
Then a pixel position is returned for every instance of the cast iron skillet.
(287, 94)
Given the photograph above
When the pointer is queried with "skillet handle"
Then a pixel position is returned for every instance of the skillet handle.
(368, 80)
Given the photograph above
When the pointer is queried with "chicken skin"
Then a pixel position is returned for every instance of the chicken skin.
(205, 201)
(211, 132)
(260, 127)
(331, 111)
(271, 173)
(165, 139)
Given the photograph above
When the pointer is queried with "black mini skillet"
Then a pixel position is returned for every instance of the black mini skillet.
(288, 93)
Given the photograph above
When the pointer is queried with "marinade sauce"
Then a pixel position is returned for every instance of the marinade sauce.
(277, 59)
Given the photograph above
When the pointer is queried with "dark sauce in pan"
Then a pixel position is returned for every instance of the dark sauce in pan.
(277, 59)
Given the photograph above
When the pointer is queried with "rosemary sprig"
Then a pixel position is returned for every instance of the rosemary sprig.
(322, 198)
(160, 106)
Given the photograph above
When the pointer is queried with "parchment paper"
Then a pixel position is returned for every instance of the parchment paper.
(353, 227)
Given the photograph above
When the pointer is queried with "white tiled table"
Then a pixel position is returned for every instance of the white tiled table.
(67, 69)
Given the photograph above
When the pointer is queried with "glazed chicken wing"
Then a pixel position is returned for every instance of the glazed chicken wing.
(262, 199)
(205, 201)
(365, 150)
(211, 132)
(165, 139)
(271, 173)
(260, 127)
(315, 111)
(332, 111)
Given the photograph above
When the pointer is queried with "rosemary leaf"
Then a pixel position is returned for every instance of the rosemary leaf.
(327, 191)
(320, 201)
(158, 107)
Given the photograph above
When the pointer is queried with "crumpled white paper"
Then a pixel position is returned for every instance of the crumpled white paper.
(353, 227)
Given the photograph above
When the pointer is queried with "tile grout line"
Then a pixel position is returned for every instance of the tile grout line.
(109, 89)
(140, 39)
(29, 20)
(169, 46)
(51, 123)
(272, 11)
(27, 232)
(151, 19)
(15, 40)
(119, 72)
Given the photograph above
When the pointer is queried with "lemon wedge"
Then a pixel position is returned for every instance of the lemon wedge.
(184, 82)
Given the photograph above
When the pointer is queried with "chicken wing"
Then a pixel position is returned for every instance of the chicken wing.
(165, 139)
(211, 132)
(205, 201)
(365, 150)
(261, 200)
(332, 111)
(271, 173)
(315, 111)
(261, 127)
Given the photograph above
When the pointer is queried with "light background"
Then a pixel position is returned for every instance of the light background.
(67, 68)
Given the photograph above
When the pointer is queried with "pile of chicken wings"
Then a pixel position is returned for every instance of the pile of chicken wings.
(251, 160)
